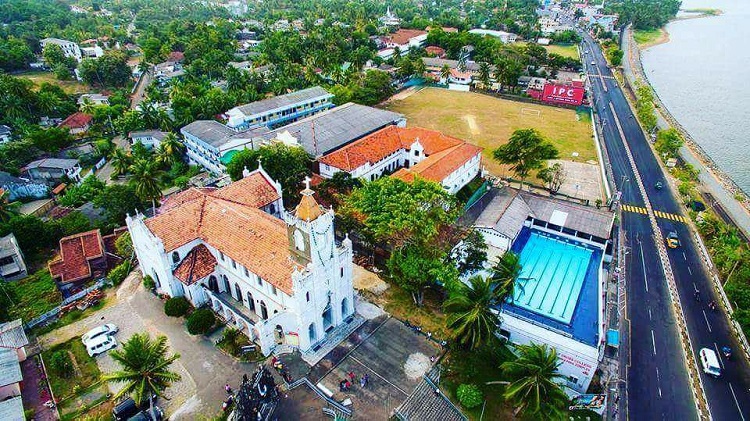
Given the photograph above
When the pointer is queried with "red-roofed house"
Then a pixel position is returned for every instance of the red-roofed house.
(404, 39)
(77, 123)
(435, 51)
(278, 276)
(84, 256)
(407, 150)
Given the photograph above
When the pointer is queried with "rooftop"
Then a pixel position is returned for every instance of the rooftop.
(209, 131)
(440, 165)
(12, 409)
(196, 265)
(402, 36)
(75, 253)
(157, 134)
(10, 369)
(8, 247)
(327, 131)
(57, 41)
(283, 101)
(12, 335)
(59, 163)
(77, 121)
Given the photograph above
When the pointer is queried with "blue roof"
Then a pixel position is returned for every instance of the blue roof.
(584, 320)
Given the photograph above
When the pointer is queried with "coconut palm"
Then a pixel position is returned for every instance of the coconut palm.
(145, 176)
(445, 71)
(505, 275)
(144, 367)
(120, 161)
(532, 385)
(470, 308)
(170, 150)
(484, 74)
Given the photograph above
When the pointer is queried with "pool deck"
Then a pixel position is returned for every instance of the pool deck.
(584, 320)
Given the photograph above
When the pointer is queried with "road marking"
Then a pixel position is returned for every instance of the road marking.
(658, 214)
(653, 341)
(707, 323)
(736, 402)
(643, 264)
(649, 313)
(683, 255)
(719, 355)
(377, 374)
(658, 381)
(690, 271)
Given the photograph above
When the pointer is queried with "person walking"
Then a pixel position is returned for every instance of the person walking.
(228, 389)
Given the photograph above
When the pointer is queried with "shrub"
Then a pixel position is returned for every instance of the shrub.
(148, 282)
(118, 274)
(230, 338)
(61, 364)
(200, 321)
(469, 395)
(176, 307)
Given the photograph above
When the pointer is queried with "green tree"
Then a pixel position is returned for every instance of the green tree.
(15, 54)
(117, 201)
(200, 321)
(109, 70)
(532, 387)
(668, 142)
(124, 245)
(120, 161)
(145, 176)
(526, 150)
(484, 74)
(614, 55)
(51, 140)
(61, 363)
(553, 177)
(505, 275)
(473, 253)
(469, 395)
(7, 209)
(445, 72)
(176, 307)
(170, 150)
(144, 367)
(470, 312)
(54, 56)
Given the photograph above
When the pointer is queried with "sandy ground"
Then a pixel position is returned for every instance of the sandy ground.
(366, 280)
(471, 121)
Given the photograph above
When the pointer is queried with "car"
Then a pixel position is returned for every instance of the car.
(106, 329)
(673, 241)
(593, 63)
(100, 344)
(128, 410)
(710, 362)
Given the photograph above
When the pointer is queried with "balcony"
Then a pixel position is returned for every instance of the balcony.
(232, 310)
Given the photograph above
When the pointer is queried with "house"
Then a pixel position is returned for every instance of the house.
(94, 99)
(13, 336)
(12, 266)
(13, 342)
(168, 70)
(404, 40)
(78, 123)
(208, 141)
(543, 41)
(10, 374)
(18, 188)
(83, 257)
(279, 276)
(148, 138)
(69, 48)
(434, 51)
(562, 247)
(459, 77)
(53, 170)
(407, 152)
(6, 134)
(95, 51)
(279, 110)
(504, 37)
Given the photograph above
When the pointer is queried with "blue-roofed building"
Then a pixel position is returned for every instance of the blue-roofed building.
(558, 299)
(279, 110)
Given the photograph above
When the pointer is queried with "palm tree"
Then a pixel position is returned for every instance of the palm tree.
(144, 367)
(532, 382)
(120, 161)
(484, 74)
(505, 275)
(170, 150)
(445, 71)
(7, 209)
(471, 315)
(145, 179)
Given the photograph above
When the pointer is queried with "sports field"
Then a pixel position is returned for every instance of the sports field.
(563, 50)
(69, 86)
(488, 122)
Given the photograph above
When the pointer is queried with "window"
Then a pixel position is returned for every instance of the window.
(175, 257)
(260, 281)
(307, 295)
(342, 272)
(273, 290)
(234, 264)
(416, 153)
(221, 256)
(246, 272)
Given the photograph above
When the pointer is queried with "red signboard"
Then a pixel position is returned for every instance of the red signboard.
(562, 94)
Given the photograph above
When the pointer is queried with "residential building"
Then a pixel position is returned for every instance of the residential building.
(459, 77)
(13, 342)
(148, 138)
(404, 40)
(407, 152)
(559, 295)
(12, 266)
(94, 99)
(6, 133)
(78, 123)
(52, 170)
(279, 110)
(504, 37)
(435, 51)
(13, 336)
(95, 51)
(84, 257)
(278, 276)
(168, 70)
(10, 374)
(18, 188)
(69, 48)
(207, 141)
(327, 131)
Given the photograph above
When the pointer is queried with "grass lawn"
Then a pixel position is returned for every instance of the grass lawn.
(69, 86)
(646, 38)
(33, 295)
(488, 122)
(86, 372)
(399, 303)
(563, 50)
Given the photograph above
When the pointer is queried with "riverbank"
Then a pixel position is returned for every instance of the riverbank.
(653, 37)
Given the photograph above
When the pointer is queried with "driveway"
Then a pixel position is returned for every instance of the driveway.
(204, 369)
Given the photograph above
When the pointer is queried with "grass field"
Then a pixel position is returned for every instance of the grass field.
(651, 37)
(488, 122)
(563, 50)
(85, 372)
(69, 86)
(33, 295)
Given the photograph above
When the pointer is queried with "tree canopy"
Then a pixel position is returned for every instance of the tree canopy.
(526, 151)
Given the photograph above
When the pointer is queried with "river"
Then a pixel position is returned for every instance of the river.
(702, 75)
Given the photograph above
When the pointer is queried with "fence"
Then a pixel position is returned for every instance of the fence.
(55, 311)
(481, 191)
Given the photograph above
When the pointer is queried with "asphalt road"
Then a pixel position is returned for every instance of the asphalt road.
(657, 380)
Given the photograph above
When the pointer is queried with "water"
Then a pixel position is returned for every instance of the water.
(555, 270)
(703, 76)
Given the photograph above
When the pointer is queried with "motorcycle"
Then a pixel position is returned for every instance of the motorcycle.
(727, 352)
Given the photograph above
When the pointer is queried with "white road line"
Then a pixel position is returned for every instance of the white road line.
(377, 374)
(683, 255)
(718, 354)
(690, 271)
(695, 287)
(658, 381)
(649, 313)
(736, 402)
(707, 323)
(653, 341)
(643, 264)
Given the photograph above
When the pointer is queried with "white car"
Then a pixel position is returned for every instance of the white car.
(100, 344)
(103, 330)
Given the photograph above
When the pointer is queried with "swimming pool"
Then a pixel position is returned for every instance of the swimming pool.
(553, 273)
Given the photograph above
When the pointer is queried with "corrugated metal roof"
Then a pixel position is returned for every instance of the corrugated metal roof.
(209, 131)
(283, 101)
(581, 218)
(12, 335)
(12, 409)
(10, 369)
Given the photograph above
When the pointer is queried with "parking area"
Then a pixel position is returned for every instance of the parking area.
(393, 356)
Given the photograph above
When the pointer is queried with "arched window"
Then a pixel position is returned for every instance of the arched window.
(237, 291)
(307, 295)
(263, 310)
(311, 333)
(213, 284)
(250, 302)
(175, 257)
(227, 287)
(344, 308)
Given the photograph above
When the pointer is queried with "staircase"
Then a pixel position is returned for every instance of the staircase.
(332, 340)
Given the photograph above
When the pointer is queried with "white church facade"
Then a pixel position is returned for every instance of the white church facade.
(277, 276)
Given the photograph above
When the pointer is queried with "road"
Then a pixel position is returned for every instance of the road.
(657, 380)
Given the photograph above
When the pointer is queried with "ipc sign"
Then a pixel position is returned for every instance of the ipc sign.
(562, 94)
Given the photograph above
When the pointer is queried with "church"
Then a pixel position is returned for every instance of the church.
(278, 276)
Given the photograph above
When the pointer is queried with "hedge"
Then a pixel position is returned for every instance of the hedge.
(200, 321)
(176, 307)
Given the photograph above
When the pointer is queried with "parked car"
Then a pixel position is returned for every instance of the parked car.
(710, 362)
(100, 344)
(128, 410)
(107, 330)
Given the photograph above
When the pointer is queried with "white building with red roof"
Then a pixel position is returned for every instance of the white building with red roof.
(278, 276)
(407, 152)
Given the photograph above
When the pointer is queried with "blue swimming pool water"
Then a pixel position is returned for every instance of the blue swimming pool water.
(552, 276)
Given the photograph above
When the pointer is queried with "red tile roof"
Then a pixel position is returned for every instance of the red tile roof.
(233, 224)
(198, 264)
(402, 36)
(432, 49)
(78, 120)
(439, 166)
(76, 252)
